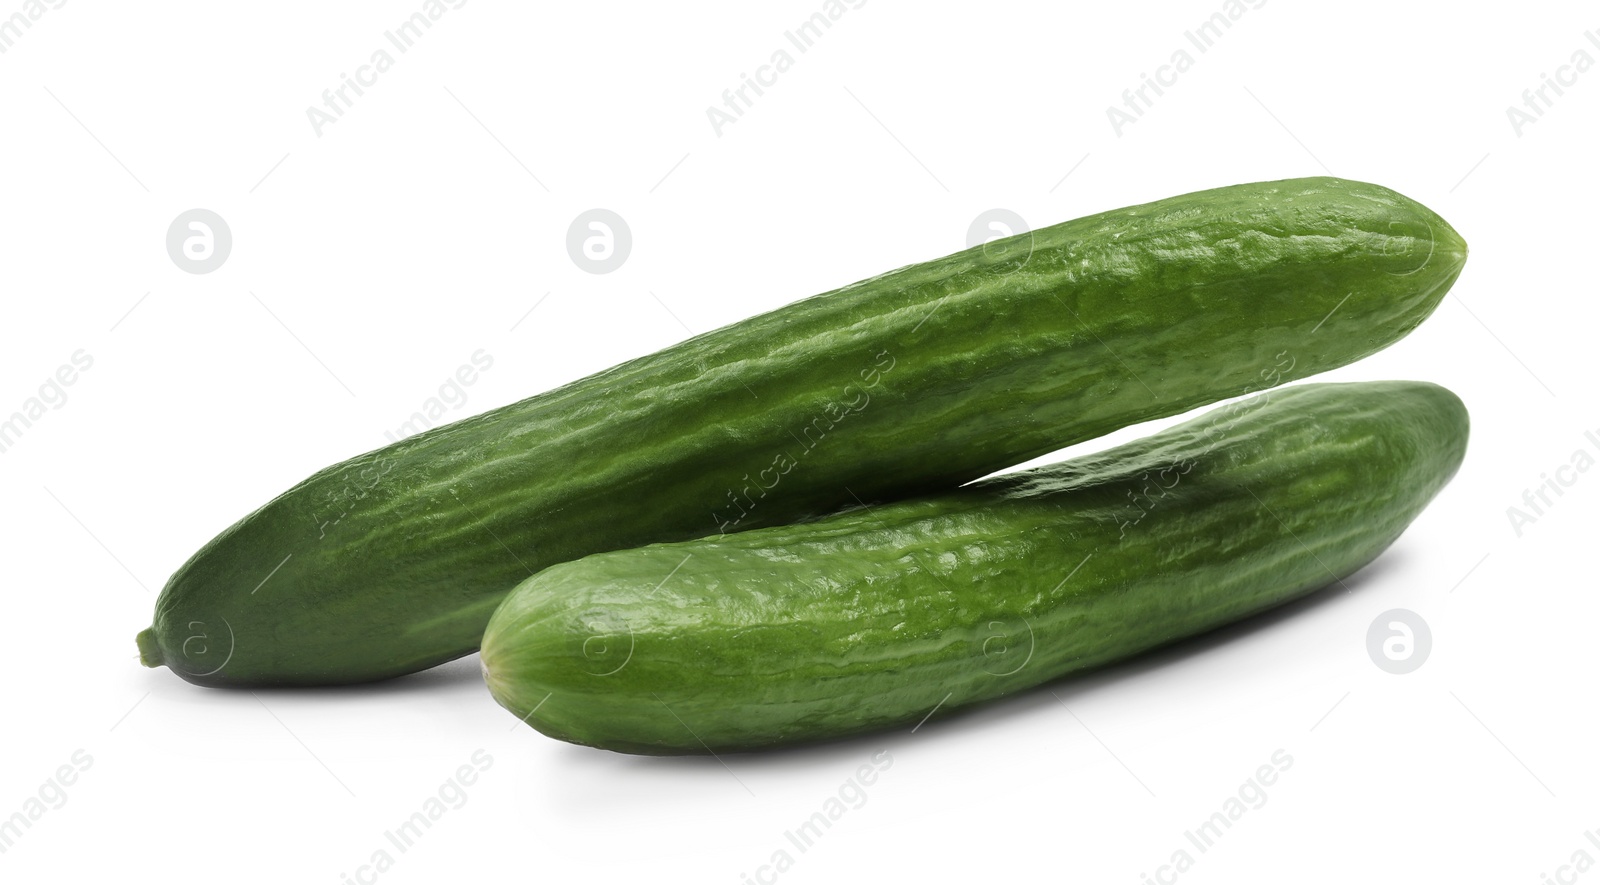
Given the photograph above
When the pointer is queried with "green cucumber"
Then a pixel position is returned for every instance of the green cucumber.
(876, 617)
(917, 380)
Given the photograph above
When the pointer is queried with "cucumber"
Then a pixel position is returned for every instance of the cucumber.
(876, 617)
(917, 380)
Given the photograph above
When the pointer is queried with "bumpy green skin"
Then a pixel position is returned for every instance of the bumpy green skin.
(873, 618)
(917, 380)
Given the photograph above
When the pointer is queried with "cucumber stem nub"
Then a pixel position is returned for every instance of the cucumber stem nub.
(150, 650)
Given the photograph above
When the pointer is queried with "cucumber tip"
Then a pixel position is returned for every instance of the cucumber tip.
(149, 649)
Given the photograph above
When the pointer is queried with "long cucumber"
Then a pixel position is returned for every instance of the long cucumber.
(879, 616)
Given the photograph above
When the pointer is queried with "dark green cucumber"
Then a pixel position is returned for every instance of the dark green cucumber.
(916, 380)
(875, 617)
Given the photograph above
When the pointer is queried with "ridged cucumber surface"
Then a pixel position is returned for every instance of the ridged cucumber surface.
(876, 617)
(916, 380)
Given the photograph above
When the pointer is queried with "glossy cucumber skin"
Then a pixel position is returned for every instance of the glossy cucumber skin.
(873, 618)
(916, 380)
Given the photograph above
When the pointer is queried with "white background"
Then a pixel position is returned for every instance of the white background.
(371, 261)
